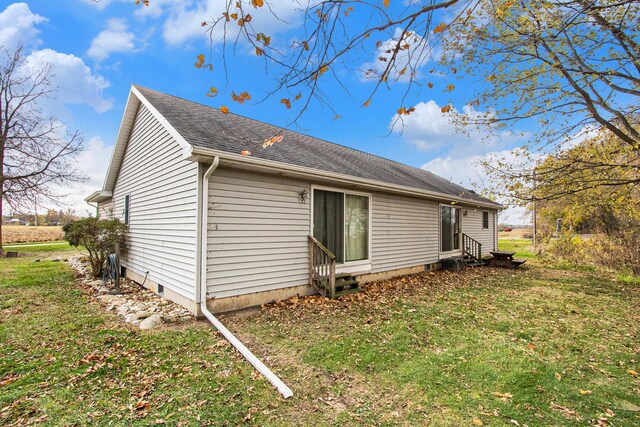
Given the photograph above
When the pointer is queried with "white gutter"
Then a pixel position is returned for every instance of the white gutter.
(202, 292)
(315, 173)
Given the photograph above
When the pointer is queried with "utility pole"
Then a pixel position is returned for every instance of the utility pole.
(535, 216)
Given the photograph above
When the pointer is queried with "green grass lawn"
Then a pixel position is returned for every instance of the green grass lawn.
(522, 247)
(66, 361)
(537, 346)
(38, 247)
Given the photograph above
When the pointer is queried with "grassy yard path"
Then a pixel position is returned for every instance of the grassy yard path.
(536, 347)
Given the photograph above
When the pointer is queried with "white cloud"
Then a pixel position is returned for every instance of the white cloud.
(72, 80)
(115, 38)
(156, 9)
(408, 62)
(429, 129)
(580, 136)
(18, 27)
(467, 170)
(183, 23)
(90, 164)
(99, 4)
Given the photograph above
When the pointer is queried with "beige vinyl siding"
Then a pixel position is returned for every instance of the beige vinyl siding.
(404, 232)
(105, 209)
(472, 226)
(257, 233)
(163, 206)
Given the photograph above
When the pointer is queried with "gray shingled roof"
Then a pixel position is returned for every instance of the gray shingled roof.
(207, 127)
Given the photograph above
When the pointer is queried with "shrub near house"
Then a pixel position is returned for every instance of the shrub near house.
(100, 237)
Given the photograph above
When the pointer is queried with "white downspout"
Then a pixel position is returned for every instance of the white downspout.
(202, 284)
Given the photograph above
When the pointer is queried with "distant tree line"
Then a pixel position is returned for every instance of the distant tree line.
(52, 218)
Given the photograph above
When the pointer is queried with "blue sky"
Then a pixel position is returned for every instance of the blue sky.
(97, 50)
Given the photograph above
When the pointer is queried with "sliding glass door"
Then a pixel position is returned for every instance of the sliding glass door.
(341, 224)
(449, 229)
(356, 227)
(328, 220)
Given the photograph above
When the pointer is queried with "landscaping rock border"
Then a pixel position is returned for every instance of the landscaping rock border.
(134, 304)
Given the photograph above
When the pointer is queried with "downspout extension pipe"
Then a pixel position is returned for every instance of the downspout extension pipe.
(260, 367)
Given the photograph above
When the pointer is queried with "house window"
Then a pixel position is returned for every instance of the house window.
(126, 208)
(485, 220)
(449, 229)
(341, 224)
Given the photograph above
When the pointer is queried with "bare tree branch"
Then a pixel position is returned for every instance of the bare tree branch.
(36, 152)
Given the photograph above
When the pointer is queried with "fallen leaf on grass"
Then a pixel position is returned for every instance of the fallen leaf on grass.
(632, 372)
(562, 408)
(477, 422)
(8, 379)
(503, 396)
(141, 405)
(585, 392)
(558, 376)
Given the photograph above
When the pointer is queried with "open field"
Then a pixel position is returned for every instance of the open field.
(536, 347)
(25, 233)
(516, 233)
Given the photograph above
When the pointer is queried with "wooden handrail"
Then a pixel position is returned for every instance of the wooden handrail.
(322, 268)
(471, 247)
(323, 247)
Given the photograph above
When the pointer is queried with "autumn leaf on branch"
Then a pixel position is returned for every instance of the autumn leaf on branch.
(406, 111)
(200, 62)
(244, 96)
(286, 102)
(321, 48)
(263, 38)
(440, 28)
(224, 109)
(270, 141)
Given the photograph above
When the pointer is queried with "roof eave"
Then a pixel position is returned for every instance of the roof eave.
(201, 154)
(124, 132)
(98, 196)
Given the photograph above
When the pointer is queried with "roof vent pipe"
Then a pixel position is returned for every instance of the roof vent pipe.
(261, 367)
